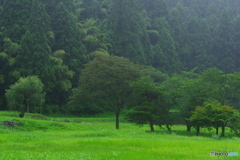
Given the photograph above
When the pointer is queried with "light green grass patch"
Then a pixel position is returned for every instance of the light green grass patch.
(96, 139)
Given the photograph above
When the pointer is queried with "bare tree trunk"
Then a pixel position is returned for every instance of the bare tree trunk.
(189, 128)
(223, 131)
(197, 131)
(117, 113)
(216, 130)
(151, 125)
(28, 107)
(168, 127)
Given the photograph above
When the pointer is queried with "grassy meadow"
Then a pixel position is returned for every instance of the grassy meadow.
(43, 138)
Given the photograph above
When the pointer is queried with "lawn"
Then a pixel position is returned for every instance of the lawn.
(43, 138)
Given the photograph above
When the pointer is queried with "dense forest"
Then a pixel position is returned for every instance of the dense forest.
(178, 43)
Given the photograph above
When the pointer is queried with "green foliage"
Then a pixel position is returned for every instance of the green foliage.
(148, 103)
(26, 94)
(54, 39)
(235, 123)
(222, 87)
(34, 57)
(128, 32)
(155, 8)
(91, 9)
(14, 18)
(107, 78)
(213, 114)
(165, 55)
(68, 37)
(95, 39)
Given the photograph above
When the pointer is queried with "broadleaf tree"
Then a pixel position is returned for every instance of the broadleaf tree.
(26, 94)
(107, 78)
(149, 103)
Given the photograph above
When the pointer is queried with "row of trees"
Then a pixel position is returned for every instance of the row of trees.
(111, 83)
(149, 95)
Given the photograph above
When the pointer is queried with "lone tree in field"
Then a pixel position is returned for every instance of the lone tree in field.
(108, 78)
(25, 94)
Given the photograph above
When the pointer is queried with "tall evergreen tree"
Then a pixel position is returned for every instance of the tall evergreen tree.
(224, 48)
(176, 19)
(14, 17)
(128, 32)
(68, 38)
(155, 8)
(90, 9)
(35, 51)
(236, 24)
(165, 55)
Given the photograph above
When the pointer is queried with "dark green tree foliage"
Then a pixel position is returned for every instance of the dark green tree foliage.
(222, 87)
(200, 119)
(61, 82)
(176, 19)
(224, 48)
(199, 40)
(155, 8)
(35, 51)
(14, 17)
(51, 5)
(236, 24)
(107, 79)
(180, 35)
(149, 103)
(95, 40)
(8, 73)
(165, 55)
(128, 32)
(235, 123)
(68, 38)
(194, 92)
(91, 9)
(204, 33)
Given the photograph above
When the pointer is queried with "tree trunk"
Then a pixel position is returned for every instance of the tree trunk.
(223, 131)
(216, 130)
(189, 128)
(117, 119)
(168, 127)
(28, 107)
(151, 125)
(197, 131)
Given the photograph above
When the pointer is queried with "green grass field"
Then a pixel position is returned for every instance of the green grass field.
(43, 138)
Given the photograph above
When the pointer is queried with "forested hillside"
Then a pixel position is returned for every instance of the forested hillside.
(54, 39)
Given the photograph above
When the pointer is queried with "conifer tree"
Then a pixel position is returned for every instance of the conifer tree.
(35, 51)
(68, 38)
(223, 47)
(14, 17)
(155, 8)
(91, 9)
(128, 32)
(165, 55)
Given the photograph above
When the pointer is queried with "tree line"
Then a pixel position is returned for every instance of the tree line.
(112, 83)
(53, 40)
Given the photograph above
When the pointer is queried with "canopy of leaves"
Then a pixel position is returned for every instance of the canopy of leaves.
(26, 94)
(108, 78)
